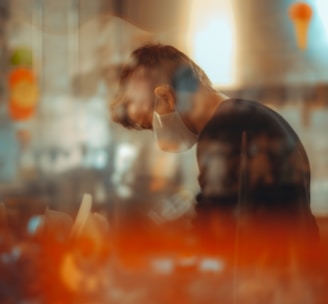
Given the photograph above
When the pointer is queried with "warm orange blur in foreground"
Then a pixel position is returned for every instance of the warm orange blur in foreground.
(139, 263)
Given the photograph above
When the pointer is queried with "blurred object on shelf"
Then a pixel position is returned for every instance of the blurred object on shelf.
(9, 152)
(26, 214)
(89, 243)
(21, 56)
(24, 137)
(165, 14)
(19, 209)
(82, 216)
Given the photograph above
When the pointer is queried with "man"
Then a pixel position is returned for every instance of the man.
(252, 164)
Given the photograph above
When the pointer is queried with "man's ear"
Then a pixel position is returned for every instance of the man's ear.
(165, 100)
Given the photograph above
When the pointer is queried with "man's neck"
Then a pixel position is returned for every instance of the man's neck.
(205, 104)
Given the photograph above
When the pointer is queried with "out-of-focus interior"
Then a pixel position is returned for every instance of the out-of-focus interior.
(60, 63)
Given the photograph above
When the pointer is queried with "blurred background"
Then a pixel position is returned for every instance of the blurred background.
(60, 62)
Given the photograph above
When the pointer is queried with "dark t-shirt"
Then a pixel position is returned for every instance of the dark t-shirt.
(252, 160)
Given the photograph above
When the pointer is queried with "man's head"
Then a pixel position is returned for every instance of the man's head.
(156, 72)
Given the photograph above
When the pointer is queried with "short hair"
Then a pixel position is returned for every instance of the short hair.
(182, 72)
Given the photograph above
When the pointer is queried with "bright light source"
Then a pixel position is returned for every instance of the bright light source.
(212, 40)
(322, 10)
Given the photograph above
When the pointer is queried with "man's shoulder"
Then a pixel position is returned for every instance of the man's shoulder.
(240, 104)
(237, 115)
(248, 109)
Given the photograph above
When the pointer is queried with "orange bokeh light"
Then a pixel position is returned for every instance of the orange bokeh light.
(300, 11)
(300, 14)
(23, 91)
(18, 113)
(21, 74)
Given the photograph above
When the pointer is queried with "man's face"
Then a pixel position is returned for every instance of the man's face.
(139, 100)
